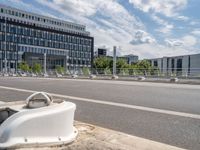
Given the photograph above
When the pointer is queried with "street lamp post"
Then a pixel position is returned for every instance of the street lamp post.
(5, 58)
(114, 76)
(114, 60)
(45, 64)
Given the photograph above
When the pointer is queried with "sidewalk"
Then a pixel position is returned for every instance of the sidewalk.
(96, 138)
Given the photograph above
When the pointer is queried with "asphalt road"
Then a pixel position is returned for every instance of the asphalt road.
(155, 111)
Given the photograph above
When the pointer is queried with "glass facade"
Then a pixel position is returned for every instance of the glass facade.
(25, 40)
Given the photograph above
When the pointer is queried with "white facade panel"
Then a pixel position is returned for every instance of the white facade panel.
(195, 65)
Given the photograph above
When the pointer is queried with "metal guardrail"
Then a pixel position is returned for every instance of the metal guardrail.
(170, 72)
(125, 72)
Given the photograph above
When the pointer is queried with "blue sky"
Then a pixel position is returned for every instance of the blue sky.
(148, 28)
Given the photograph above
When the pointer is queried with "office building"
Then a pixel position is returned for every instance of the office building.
(101, 52)
(29, 37)
(131, 59)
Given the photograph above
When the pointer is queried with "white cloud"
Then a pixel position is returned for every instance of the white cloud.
(142, 37)
(189, 40)
(111, 24)
(182, 18)
(165, 28)
(194, 23)
(196, 32)
(76, 6)
(166, 7)
(108, 21)
(185, 42)
(174, 43)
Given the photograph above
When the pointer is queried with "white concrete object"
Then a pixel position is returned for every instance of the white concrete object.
(114, 77)
(13, 74)
(37, 122)
(22, 74)
(58, 75)
(174, 80)
(74, 76)
(92, 76)
(45, 75)
(33, 75)
(5, 75)
(141, 78)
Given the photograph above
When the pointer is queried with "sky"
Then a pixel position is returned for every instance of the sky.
(147, 28)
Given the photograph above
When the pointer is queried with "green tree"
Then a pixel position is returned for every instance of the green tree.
(107, 71)
(37, 68)
(102, 62)
(124, 71)
(121, 63)
(144, 64)
(23, 66)
(144, 67)
(86, 71)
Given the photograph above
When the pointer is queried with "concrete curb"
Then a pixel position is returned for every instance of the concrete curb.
(96, 138)
(133, 79)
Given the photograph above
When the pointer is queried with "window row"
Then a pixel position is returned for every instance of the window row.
(41, 19)
(54, 52)
(8, 46)
(9, 55)
(44, 34)
(79, 62)
(42, 51)
(44, 43)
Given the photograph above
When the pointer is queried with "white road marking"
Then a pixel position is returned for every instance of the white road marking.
(155, 110)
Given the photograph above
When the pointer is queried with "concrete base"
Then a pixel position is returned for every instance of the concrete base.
(92, 76)
(74, 76)
(115, 77)
(174, 80)
(141, 78)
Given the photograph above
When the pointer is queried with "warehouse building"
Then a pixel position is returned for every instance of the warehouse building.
(187, 65)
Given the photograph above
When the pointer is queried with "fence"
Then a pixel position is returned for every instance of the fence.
(170, 72)
(125, 72)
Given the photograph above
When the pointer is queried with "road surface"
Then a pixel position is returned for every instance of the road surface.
(167, 113)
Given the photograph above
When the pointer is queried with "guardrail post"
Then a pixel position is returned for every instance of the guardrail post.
(45, 62)
(114, 60)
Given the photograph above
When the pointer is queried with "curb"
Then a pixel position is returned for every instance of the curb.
(96, 138)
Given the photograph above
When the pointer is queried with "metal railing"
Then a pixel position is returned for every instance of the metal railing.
(125, 72)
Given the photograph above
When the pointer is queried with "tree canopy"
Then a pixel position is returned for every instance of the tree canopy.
(23, 66)
(142, 67)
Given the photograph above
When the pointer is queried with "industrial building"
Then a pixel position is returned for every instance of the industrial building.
(187, 65)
